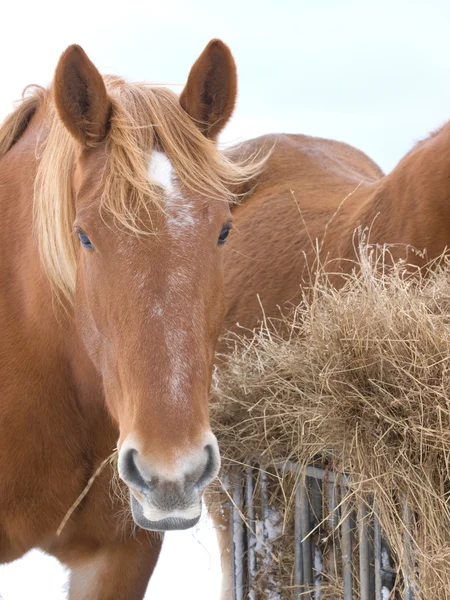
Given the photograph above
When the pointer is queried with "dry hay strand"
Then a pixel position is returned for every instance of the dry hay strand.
(110, 460)
(359, 374)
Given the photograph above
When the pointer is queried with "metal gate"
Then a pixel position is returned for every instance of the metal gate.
(358, 548)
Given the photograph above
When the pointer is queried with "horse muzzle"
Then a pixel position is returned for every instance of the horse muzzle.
(178, 519)
(168, 499)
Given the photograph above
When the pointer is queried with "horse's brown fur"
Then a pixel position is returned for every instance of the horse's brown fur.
(307, 204)
(142, 308)
(303, 212)
(86, 110)
(218, 93)
(55, 427)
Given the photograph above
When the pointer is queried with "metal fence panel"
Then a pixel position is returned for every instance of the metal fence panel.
(372, 578)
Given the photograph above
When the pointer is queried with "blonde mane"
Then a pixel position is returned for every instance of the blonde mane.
(15, 123)
(143, 117)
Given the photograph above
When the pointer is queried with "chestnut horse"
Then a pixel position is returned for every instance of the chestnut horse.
(114, 203)
(308, 201)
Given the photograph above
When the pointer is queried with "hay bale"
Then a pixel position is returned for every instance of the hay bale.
(362, 380)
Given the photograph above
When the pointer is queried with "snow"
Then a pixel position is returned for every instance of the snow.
(385, 593)
(318, 568)
(267, 531)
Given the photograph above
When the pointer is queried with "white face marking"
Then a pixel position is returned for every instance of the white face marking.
(178, 348)
(161, 171)
(180, 210)
(181, 215)
(177, 342)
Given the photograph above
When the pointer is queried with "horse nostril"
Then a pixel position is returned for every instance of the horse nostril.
(130, 472)
(173, 487)
(211, 468)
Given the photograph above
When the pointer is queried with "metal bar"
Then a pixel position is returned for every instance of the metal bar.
(251, 540)
(371, 536)
(346, 547)
(298, 546)
(315, 500)
(315, 489)
(264, 510)
(238, 541)
(314, 472)
(308, 578)
(333, 520)
(408, 563)
(364, 559)
(378, 558)
(264, 493)
(375, 568)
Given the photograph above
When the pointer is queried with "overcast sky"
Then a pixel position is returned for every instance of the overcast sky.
(374, 74)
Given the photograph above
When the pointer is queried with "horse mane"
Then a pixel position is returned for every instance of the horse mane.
(422, 142)
(15, 123)
(143, 118)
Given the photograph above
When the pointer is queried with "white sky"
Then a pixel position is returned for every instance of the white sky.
(374, 74)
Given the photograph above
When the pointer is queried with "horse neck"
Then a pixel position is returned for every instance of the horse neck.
(26, 281)
(29, 312)
(410, 205)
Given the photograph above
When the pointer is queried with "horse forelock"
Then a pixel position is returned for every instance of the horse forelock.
(146, 122)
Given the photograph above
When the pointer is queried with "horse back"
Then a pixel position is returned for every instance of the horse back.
(306, 198)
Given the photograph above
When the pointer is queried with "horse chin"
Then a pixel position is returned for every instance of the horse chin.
(167, 524)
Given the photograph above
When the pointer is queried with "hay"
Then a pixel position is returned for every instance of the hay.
(363, 377)
(109, 460)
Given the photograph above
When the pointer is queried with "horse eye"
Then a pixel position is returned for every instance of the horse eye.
(224, 234)
(85, 241)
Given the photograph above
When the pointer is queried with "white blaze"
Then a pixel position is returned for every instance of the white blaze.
(180, 210)
(161, 171)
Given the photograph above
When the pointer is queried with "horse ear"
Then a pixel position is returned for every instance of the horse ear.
(81, 98)
(210, 93)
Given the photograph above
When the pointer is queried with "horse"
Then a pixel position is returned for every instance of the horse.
(301, 212)
(115, 206)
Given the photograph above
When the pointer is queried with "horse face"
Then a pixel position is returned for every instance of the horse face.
(149, 308)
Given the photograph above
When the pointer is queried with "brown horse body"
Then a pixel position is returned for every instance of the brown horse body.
(54, 430)
(136, 323)
(114, 204)
(312, 196)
